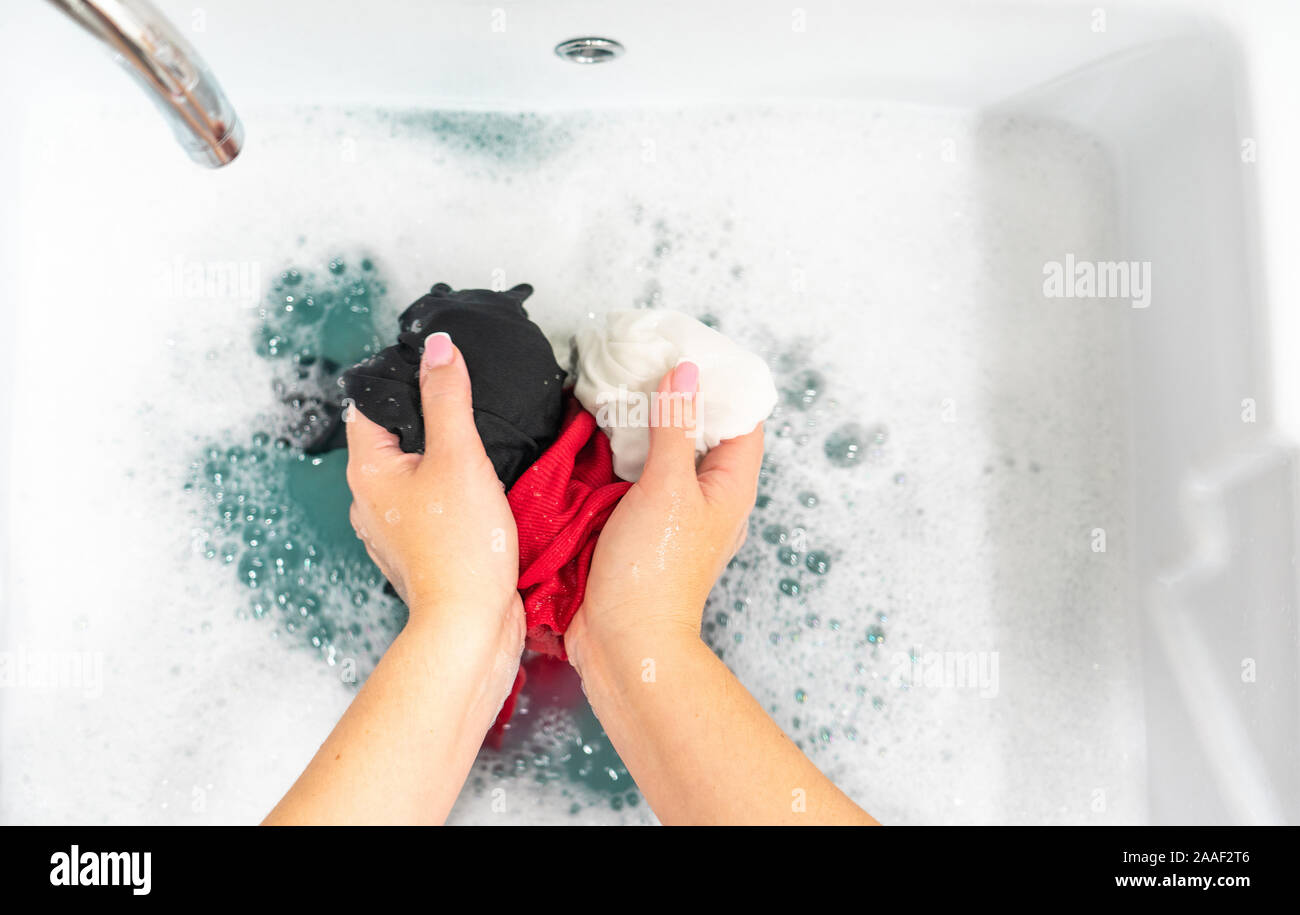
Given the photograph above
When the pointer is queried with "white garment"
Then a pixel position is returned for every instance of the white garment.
(634, 349)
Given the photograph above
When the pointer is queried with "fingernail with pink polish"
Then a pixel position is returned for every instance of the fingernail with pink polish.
(686, 378)
(437, 349)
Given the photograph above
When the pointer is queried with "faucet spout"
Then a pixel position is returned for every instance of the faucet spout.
(171, 72)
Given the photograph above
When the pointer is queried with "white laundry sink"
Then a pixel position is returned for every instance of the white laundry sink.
(1061, 586)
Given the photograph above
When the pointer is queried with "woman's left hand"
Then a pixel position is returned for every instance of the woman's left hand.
(438, 524)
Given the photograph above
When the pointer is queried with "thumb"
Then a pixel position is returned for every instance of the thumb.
(672, 429)
(446, 398)
(729, 472)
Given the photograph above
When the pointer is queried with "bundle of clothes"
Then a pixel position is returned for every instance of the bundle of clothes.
(564, 471)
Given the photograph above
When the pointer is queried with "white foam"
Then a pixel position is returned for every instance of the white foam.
(844, 239)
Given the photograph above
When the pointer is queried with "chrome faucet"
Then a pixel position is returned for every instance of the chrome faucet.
(174, 76)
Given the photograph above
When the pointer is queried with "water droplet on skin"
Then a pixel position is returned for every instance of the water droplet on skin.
(392, 516)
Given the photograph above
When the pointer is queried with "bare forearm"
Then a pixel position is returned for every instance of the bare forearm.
(700, 747)
(403, 749)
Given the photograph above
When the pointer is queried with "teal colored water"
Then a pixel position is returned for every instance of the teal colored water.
(513, 139)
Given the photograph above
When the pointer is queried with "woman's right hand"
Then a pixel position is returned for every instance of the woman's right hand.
(698, 745)
(673, 532)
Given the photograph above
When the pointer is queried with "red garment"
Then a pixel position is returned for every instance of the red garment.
(560, 505)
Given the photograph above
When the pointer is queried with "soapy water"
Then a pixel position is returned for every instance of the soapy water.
(945, 442)
(280, 515)
(279, 520)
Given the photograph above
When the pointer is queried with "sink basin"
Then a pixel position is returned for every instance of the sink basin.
(1059, 587)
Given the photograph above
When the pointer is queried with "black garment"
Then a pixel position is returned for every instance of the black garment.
(517, 384)
(316, 425)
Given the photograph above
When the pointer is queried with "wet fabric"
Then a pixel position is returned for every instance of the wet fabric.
(314, 396)
(622, 358)
(517, 385)
(560, 504)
